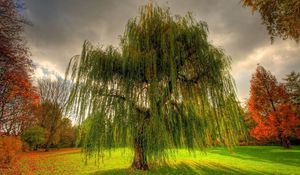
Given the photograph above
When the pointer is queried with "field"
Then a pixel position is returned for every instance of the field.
(242, 160)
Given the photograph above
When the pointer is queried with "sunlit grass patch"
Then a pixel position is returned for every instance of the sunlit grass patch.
(218, 160)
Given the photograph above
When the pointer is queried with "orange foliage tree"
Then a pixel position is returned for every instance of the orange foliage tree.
(18, 98)
(270, 108)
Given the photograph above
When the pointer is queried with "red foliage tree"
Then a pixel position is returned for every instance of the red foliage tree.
(270, 108)
(18, 98)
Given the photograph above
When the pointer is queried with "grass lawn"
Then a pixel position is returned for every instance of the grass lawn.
(242, 160)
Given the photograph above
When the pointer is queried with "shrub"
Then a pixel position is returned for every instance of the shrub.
(34, 137)
(25, 147)
(9, 147)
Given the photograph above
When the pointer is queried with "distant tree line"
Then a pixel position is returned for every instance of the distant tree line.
(57, 129)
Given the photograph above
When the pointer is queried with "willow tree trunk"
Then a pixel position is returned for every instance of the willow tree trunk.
(140, 159)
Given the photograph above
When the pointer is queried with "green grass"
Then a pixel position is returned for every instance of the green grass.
(242, 160)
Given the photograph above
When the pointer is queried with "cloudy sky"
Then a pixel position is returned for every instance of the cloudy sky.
(60, 27)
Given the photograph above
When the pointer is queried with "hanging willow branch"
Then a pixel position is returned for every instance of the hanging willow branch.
(167, 87)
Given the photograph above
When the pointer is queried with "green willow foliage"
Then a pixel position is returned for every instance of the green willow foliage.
(167, 87)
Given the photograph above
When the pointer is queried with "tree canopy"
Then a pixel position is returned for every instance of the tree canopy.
(165, 87)
(282, 18)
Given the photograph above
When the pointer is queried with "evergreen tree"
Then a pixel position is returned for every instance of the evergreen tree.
(292, 84)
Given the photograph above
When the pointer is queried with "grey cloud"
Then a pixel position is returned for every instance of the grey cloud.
(60, 27)
(231, 25)
(280, 59)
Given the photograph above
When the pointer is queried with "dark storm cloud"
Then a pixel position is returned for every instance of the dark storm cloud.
(60, 27)
(231, 26)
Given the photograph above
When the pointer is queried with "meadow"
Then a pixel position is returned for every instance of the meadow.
(218, 160)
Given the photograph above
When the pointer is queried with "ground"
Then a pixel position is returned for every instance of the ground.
(241, 160)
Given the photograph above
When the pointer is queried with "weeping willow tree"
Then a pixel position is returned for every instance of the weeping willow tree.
(166, 87)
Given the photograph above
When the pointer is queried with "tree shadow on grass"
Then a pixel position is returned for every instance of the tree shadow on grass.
(183, 169)
(264, 154)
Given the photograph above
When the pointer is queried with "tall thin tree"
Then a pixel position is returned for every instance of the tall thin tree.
(54, 95)
(18, 97)
(292, 84)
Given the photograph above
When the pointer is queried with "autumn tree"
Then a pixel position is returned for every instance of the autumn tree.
(282, 18)
(53, 94)
(13, 52)
(18, 98)
(269, 105)
(166, 87)
(18, 105)
(66, 136)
